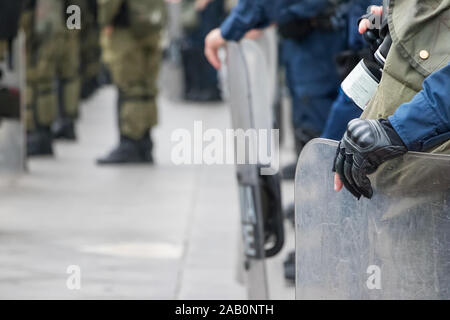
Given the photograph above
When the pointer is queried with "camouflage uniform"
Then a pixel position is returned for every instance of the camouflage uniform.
(52, 54)
(90, 51)
(134, 62)
(68, 73)
(43, 38)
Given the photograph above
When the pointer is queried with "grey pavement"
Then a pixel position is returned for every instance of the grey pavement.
(136, 232)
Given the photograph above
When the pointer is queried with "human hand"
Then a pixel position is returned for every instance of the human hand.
(365, 24)
(213, 42)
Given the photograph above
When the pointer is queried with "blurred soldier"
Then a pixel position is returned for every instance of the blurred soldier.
(43, 23)
(131, 48)
(199, 18)
(411, 107)
(68, 79)
(52, 54)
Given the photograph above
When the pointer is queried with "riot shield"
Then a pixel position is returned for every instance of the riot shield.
(250, 97)
(394, 246)
(269, 46)
(12, 129)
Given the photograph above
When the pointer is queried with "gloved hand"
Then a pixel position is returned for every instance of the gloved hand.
(365, 146)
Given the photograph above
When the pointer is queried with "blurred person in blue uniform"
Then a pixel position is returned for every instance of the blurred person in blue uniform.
(311, 41)
(344, 109)
(312, 35)
(199, 18)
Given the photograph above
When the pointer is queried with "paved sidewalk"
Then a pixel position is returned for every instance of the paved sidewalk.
(162, 232)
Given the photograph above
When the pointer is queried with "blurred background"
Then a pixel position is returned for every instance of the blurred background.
(86, 171)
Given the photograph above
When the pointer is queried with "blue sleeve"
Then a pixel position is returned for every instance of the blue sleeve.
(424, 122)
(254, 14)
(247, 15)
(288, 10)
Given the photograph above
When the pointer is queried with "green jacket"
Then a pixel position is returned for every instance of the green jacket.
(420, 31)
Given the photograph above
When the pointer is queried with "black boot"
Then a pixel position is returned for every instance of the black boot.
(40, 142)
(64, 128)
(289, 267)
(130, 151)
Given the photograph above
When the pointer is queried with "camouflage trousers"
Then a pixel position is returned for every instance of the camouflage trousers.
(134, 64)
(68, 74)
(90, 51)
(55, 58)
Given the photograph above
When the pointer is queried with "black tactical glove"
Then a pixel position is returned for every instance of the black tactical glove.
(372, 35)
(365, 146)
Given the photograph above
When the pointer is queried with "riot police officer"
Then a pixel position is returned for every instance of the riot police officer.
(200, 17)
(311, 40)
(411, 108)
(344, 109)
(131, 48)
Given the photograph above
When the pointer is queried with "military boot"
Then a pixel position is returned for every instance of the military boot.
(64, 128)
(130, 151)
(40, 142)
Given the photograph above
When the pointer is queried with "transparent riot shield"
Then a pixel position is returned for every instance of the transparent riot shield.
(250, 97)
(395, 246)
(12, 129)
(269, 46)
